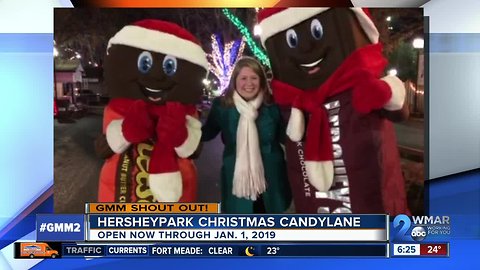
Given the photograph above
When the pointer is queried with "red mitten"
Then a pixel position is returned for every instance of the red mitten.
(171, 127)
(138, 124)
(370, 93)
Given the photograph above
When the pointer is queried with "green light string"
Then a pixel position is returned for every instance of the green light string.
(257, 51)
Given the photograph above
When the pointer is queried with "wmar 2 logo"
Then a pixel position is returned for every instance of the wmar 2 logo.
(420, 228)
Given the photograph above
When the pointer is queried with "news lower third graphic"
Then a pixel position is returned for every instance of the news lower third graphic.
(189, 230)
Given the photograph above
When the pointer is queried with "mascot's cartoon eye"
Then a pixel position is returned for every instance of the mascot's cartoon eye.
(316, 29)
(169, 65)
(292, 39)
(145, 62)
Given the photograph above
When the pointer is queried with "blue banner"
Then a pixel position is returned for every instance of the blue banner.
(238, 221)
(59, 228)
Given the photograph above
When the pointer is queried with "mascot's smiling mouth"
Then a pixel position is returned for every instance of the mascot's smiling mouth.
(312, 63)
(155, 94)
(312, 68)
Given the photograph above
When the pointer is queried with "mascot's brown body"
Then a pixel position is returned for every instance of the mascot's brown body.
(327, 66)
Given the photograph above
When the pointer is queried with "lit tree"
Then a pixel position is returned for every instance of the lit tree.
(223, 58)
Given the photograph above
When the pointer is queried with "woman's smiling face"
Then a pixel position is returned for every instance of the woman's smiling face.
(247, 83)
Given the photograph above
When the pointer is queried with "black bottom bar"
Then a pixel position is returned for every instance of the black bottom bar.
(227, 250)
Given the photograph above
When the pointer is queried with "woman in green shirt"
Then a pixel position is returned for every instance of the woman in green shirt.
(254, 176)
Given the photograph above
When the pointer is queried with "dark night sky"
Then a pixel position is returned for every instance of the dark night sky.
(88, 30)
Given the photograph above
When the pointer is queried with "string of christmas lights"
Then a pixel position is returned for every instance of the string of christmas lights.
(256, 50)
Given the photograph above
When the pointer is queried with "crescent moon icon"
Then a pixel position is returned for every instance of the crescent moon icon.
(248, 252)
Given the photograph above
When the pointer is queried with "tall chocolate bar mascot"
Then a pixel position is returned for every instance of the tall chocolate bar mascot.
(153, 71)
(327, 66)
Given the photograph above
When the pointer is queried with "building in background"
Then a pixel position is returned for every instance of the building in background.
(68, 79)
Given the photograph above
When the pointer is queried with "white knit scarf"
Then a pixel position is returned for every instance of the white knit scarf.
(248, 178)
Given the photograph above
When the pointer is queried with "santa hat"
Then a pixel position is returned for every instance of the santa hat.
(162, 37)
(275, 20)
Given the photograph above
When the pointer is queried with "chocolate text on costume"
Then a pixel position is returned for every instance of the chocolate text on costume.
(340, 188)
(306, 185)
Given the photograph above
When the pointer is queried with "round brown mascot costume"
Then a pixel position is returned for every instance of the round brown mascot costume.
(153, 72)
(327, 66)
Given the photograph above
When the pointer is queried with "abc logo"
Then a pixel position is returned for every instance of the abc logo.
(419, 233)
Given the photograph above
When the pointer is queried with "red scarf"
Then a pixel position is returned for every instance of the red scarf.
(367, 60)
(163, 158)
